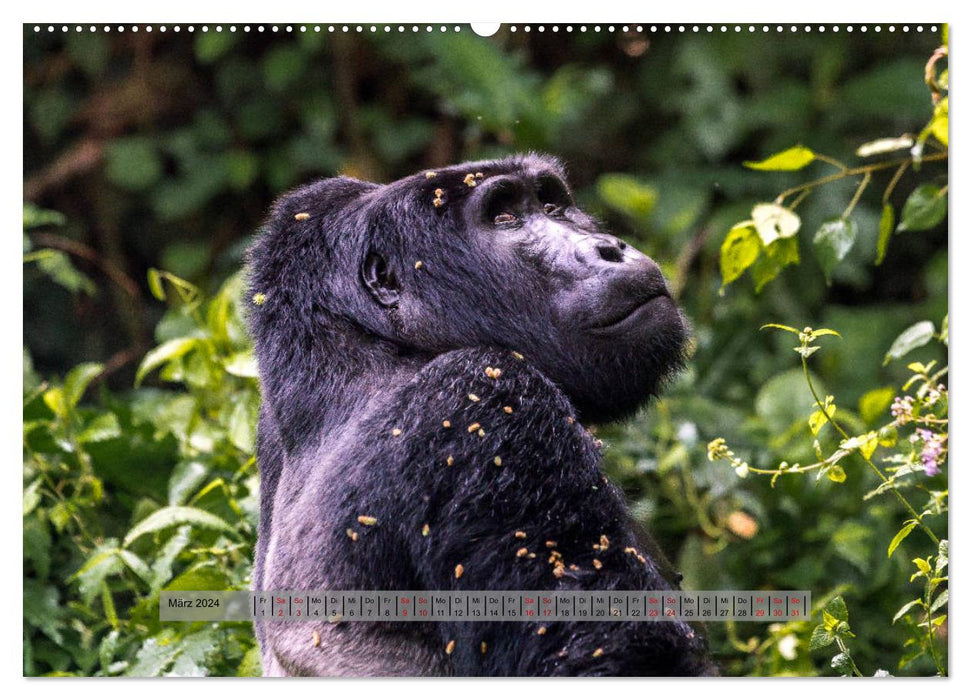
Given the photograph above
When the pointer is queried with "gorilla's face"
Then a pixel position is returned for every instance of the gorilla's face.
(518, 265)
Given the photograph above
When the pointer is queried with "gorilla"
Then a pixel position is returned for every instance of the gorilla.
(429, 351)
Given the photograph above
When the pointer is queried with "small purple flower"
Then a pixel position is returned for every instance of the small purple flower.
(903, 409)
(932, 452)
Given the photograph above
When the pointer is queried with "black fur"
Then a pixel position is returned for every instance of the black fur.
(374, 376)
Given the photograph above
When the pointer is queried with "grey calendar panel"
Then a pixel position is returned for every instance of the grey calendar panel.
(484, 606)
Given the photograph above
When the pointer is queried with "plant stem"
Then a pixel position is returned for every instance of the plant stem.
(893, 181)
(850, 172)
(857, 195)
(876, 470)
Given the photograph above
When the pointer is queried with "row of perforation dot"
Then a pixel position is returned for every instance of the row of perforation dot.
(526, 28)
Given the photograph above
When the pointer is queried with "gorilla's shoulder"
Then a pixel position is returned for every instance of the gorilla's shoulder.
(484, 402)
(481, 377)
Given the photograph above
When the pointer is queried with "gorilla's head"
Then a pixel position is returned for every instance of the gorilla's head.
(491, 253)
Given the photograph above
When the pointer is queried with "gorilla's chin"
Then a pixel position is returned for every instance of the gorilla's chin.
(622, 371)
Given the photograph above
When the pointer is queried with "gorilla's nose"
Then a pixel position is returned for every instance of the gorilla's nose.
(602, 249)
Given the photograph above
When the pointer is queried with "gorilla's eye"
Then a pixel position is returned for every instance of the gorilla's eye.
(551, 208)
(504, 218)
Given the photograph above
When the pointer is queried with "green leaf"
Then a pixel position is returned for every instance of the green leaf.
(917, 335)
(77, 381)
(818, 419)
(738, 251)
(843, 663)
(32, 495)
(250, 665)
(940, 601)
(900, 537)
(903, 610)
(939, 123)
(886, 228)
(874, 404)
(155, 284)
(821, 638)
(171, 516)
(777, 255)
(833, 241)
(925, 208)
(942, 558)
(186, 478)
(627, 195)
(171, 350)
(837, 608)
(133, 163)
(242, 364)
(104, 427)
(780, 327)
(795, 158)
(774, 222)
(58, 266)
(35, 217)
(836, 473)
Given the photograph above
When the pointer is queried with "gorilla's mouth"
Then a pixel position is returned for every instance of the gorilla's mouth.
(630, 314)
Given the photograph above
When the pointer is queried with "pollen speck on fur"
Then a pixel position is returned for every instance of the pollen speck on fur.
(470, 180)
(302, 216)
(396, 432)
(351, 534)
(497, 460)
(418, 264)
(316, 638)
(450, 461)
(522, 552)
(368, 520)
(446, 424)
(520, 535)
(474, 427)
(598, 652)
(259, 298)
(430, 174)
(425, 530)
(459, 570)
(450, 647)
(473, 398)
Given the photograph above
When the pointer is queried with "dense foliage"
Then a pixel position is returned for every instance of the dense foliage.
(150, 160)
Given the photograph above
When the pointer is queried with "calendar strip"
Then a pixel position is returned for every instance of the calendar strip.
(484, 606)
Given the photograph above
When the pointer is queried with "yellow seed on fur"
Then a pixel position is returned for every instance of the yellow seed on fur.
(630, 550)
(459, 570)
(483, 647)
(470, 180)
(316, 638)
(598, 652)
(481, 432)
(430, 174)
(446, 424)
(507, 409)
(522, 552)
(541, 631)
(259, 298)
(520, 535)
(437, 202)
(473, 398)
(425, 530)
(474, 427)
(450, 461)
(574, 567)
(479, 175)
(532, 555)
(418, 264)
(496, 373)
(497, 460)
(396, 432)
(302, 216)
(604, 542)
(597, 564)
(558, 570)
(551, 543)
(571, 420)
(517, 355)
(368, 520)
(439, 192)
(450, 647)
(351, 534)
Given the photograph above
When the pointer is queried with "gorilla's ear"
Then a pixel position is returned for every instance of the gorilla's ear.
(380, 279)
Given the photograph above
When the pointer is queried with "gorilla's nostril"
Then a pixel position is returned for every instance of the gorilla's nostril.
(610, 253)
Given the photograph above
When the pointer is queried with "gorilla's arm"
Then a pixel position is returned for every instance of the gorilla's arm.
(498, 487)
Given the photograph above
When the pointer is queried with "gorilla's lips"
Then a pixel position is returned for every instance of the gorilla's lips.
(631, 314)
